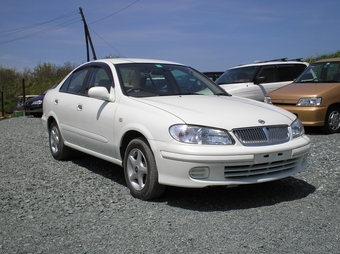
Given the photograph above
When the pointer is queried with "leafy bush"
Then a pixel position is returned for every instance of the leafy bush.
(313, 59)
(43, 77)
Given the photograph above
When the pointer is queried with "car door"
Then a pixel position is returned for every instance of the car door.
(94, 117)
(65, 104)
(261, 89)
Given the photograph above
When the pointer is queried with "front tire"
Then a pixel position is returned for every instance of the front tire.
(58, 150)
(140, 170)
(332, 121)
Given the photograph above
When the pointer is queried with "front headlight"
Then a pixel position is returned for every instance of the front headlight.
(38, 102)
(309, 101)
(191, 134)
(297, 128)
(268, 100)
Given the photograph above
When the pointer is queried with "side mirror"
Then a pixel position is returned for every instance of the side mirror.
(259, 80)
(101, 93)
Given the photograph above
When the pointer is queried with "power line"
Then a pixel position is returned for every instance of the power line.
(114, 13)
(108, 17)
(17, 30)
(69, 22)
(107, 43)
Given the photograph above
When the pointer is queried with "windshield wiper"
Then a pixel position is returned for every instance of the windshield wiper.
(179, 94)
(185, 94)
(226, 83)
(224, 94)
(316, 80)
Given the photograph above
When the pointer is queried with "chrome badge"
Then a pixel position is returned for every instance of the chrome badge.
(261, 121)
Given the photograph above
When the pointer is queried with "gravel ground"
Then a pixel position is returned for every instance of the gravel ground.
(83, 205)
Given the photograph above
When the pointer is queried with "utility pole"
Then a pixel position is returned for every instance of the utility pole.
(2, 101)
(2, 104)
(87, 38)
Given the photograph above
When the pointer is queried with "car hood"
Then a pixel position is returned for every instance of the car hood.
(220, 111)
(293, 92)
(39, 97)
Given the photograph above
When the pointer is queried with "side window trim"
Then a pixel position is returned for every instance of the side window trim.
(66, 86)
(93, 79)
(89, 68)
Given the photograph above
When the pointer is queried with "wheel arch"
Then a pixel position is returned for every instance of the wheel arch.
(50, 120)
(337, 104)
(328, 125)
(128, 136)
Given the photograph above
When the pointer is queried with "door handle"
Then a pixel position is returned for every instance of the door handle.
(56, 101)
(79, 107)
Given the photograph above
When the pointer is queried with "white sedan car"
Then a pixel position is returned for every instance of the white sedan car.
(167, 124)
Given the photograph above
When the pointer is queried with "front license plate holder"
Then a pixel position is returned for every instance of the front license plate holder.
(269, 157)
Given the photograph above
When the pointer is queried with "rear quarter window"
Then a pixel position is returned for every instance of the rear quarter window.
(269, 72)
(286, 72)
(299, 68)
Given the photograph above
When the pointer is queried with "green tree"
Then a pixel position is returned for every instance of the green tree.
(43, 77)
(10, 86)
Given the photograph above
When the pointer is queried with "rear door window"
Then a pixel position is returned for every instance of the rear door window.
(269, 72)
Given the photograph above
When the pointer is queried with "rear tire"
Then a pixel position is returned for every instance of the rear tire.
(332, 120)
(58, 150)
(140, 170)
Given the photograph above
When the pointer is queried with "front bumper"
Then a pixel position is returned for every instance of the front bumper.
(33, 111)
(309, 116)
(237, 165)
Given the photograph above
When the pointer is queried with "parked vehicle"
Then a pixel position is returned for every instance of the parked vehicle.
(34, 106)
(255, 80)
(162, 122)
(20, 101)
(213, 75)
(314, 96)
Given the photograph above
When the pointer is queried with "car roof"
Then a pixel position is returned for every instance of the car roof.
(212, 72)
(132, 60)
(277, 62)
(337, 59)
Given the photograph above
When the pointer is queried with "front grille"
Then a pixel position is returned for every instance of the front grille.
(284, 103)
(267, 135)
(260, 169)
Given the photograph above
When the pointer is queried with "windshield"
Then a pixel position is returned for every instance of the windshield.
(325, 72)
(143, 80)
(238, 75)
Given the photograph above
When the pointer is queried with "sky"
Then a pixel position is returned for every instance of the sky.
(209, 35)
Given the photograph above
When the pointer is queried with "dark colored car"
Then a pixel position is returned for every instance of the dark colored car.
(34, 106)
(19, 105)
